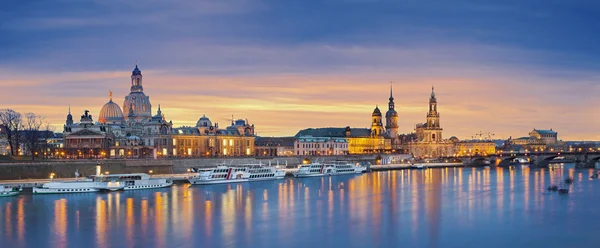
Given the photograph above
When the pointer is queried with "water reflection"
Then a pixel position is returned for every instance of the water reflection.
(411, 208)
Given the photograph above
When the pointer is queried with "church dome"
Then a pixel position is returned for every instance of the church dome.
(376, 112)
(111, 113)
(136, 71)
(203, 122)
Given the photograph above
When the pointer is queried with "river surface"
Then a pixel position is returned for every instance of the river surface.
(453, 207)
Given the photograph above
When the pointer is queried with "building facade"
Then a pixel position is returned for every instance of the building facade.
(86, 138)
(549, 137)
(274, 146)
(358, 140)
(473, 147)
(308, 145)
(429, 142)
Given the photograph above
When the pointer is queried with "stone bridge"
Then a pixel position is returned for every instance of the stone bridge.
(539, 160)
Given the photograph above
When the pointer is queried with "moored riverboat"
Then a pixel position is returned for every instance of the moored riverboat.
(331, 169)
(132, 181)
(234, 174)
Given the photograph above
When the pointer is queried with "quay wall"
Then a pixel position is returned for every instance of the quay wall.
(67, 168)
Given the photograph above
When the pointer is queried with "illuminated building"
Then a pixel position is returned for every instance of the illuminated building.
(359, 140)
(391, 121)
(538, 140)
(308, 145)
(86, 138)
(429, 142)
(207, 139)
(473, 147)
(131, 131)
(547, 136)
(274, 146)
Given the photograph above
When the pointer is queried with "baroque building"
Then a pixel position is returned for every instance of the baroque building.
(338, 140)
(391, 119)
(429, 142)
(131, 131)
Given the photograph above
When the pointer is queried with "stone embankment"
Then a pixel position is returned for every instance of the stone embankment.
(67, 168)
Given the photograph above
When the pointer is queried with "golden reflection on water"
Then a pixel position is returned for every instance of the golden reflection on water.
(60, 221)
(21, 220)
(159, 221)
(101, 222)
(130, 221)
(144, 216)
(8, 220)
(188, 213)
(208, 215)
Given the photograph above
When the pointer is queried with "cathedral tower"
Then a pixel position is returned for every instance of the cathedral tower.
(433, 130)
(376, 123)
(391, 118)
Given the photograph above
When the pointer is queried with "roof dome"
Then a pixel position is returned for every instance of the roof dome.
(111, 113)
(203, 122)
(136, 71)
(376, 112)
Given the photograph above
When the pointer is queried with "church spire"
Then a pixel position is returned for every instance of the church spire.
(391, 95)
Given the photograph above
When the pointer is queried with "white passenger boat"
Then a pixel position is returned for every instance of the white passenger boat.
(8, 191)
(331, 169)
(227, 174)
(79, 186)
(132, 181)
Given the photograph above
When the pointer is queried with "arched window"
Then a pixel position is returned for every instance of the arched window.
(433, 136)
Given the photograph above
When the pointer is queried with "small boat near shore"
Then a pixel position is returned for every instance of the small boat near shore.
(9, 191)
(418, 166)
(234, 174)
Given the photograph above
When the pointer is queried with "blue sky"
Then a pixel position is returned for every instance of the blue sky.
(502, 67)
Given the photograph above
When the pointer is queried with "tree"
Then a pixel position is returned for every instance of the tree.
(11, 121)
(33, 123)
(46, 135)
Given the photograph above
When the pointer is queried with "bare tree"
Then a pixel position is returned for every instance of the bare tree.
(11, 121)
(46, 135)
(33, 123)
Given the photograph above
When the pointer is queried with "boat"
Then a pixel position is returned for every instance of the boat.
(9, 191)
(330, 169)
(132, 181)
(552, 188)
(563, 190)
(232, 174)
(78, 186)
(418, 166)
(569, 180)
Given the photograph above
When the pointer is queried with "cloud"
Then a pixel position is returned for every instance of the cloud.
(285, 65)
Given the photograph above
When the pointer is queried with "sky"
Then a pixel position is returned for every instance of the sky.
(502, 68)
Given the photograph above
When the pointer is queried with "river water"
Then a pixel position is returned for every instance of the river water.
(453, 207)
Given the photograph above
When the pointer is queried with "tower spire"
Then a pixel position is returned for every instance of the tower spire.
(391, 97)
(69, 108)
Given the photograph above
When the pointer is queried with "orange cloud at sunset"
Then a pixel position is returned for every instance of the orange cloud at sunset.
(283, 104)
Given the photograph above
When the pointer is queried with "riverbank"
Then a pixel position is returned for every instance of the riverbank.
(67, 168)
